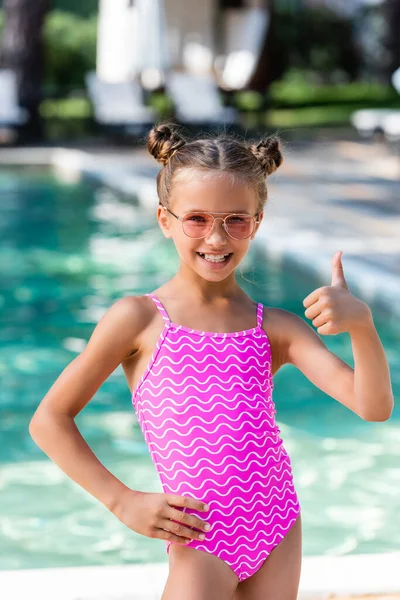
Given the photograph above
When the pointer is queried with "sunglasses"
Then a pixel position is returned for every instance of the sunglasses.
(199, 224)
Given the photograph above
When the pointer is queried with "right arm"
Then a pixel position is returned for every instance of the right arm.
(53, 428)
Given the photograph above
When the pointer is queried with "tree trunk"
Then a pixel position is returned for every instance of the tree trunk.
(392, 11)
(22, 52)
(269, 67)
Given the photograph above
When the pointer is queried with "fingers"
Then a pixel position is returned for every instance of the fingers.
(312, 298)
(179, 531)
(187, 502)
(187, 519)
(164, 533)
(313, 311)
(177, 525)
(320, 320)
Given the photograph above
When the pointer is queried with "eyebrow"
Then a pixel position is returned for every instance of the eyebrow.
(232, 212)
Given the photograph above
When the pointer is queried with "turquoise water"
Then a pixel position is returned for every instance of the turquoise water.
(68, 251)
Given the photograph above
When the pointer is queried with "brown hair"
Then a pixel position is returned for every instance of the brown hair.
(223, 153)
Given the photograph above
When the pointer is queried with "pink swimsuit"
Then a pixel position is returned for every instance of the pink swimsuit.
(205, 407)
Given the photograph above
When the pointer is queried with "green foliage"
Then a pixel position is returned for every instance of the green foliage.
(77, 7)
(162, 103)
(70, 49)
(313, 116)
(318, 39)
(66, 108)
(249, 100)
(297, 88)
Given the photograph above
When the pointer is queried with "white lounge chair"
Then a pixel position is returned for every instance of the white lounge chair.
(11, 114)
(396, 80)
(119, 104)
(370, 121)
(197, 99)
(383, 120)
(244, 33)
(391, 126)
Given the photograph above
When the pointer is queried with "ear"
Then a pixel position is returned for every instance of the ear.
(163, 221)
(260, 218)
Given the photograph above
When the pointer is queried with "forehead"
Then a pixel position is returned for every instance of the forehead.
(211, 191)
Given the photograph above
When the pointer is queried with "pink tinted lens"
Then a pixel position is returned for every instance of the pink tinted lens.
(240, 226)
(197, 224)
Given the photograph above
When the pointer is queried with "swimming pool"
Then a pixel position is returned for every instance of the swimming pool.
(68, 251)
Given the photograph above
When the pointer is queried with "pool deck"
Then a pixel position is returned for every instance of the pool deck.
(328, 195)
(362, 577)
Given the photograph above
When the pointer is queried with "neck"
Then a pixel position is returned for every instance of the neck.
(189, 284)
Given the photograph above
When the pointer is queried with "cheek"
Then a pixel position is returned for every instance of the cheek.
(184, 245)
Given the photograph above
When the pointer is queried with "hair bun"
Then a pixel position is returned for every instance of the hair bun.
(268, 153)
(163, 141)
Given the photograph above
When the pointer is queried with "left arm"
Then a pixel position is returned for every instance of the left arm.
(366, 390)
(372, 385)
(333, 309)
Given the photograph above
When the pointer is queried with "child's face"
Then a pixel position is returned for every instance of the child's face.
(215, 195)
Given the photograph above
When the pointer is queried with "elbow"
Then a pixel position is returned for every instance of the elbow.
(376, 418)
(46, 421)
(39, 423)
(382, 415)
(35, 425)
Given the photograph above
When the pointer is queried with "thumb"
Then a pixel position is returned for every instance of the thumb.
(337, 270)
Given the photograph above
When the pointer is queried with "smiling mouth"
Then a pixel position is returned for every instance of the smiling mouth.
(214, 260)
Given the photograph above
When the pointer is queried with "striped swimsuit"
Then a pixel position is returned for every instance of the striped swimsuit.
(205, 408)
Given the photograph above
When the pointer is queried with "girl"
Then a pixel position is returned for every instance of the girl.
(199, 356)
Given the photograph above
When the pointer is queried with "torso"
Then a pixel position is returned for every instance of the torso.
(145, 342)
(206, 411)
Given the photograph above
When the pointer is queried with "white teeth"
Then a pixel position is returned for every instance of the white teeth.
(213, 257)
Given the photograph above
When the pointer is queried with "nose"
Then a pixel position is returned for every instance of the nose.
(217, 233)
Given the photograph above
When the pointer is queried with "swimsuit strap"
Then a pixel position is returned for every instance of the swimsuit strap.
(260, 308)
(160, 308)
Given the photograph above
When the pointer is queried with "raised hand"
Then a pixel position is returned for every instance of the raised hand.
(332, 308)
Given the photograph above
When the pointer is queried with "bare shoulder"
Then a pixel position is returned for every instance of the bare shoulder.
(129, 317)
(281, 325)
(114, 337)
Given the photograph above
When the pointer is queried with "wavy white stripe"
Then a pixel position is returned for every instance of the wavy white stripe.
(208, 484)
(167, 434)
(176, 408)
(223, 507)
(198, 448)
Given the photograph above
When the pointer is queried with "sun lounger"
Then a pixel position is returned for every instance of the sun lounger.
(197, 99)
(11, 114)
(391, 126)
(379, 120)
(119, 105)
(370, 121)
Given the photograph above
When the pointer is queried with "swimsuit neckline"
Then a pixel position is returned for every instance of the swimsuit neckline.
(168, 324)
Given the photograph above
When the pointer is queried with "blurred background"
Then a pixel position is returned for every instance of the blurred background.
(278, 63)
(81, 83)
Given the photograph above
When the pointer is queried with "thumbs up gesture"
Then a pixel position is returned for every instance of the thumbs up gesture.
(333, 309)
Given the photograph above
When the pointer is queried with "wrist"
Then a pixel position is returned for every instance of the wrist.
(114, 498)
(365, 323)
